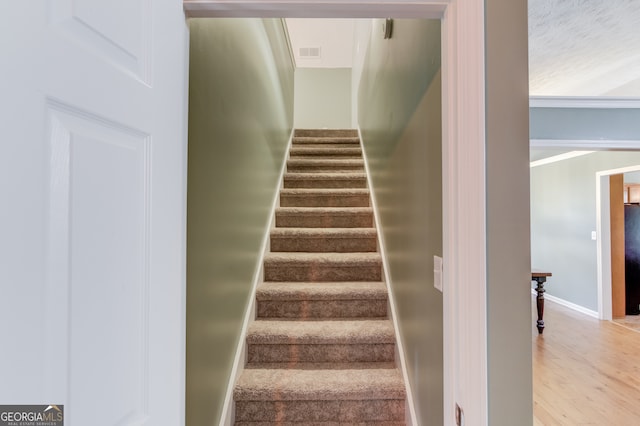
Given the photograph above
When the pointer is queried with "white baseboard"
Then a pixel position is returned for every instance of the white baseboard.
(227, 416)
(412, 420)
(570, 305)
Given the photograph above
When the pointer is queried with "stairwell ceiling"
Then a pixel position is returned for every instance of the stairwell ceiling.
(576, 47)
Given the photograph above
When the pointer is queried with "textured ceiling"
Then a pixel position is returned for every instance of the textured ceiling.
(584, 47)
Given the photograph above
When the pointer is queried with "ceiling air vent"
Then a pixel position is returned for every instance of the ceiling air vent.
(309, 52)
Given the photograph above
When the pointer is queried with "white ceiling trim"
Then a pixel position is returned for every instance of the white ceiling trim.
(594, 145)
(583, 102)
(305, 9)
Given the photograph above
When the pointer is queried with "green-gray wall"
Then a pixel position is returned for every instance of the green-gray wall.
(240, 120)
(399, 114)
(585, 123)
(322, 98)
(563, 215)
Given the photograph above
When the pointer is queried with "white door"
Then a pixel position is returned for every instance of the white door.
(92, 208)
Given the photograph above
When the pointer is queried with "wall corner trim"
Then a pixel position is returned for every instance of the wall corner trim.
(285, 29)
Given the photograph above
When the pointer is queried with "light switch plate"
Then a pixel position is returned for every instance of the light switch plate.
(594, 235)
(437, 272)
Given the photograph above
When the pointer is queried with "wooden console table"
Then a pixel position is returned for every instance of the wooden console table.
(540, 278)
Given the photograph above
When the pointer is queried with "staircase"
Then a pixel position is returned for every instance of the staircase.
(322, 348)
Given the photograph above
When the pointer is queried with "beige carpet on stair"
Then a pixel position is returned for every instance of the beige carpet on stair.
(322, 348)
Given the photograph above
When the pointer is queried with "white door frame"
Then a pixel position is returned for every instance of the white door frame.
(464, 189)
(603, 229)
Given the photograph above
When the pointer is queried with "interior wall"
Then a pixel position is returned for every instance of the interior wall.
(509, 374)
(323, 98)
(563, 215)
(399, 112)
(585, 123)
(240, 121)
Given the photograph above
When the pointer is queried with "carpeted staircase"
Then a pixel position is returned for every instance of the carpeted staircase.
(322, 348)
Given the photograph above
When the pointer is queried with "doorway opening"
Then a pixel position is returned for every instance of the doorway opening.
(606, 289)
(463, 174)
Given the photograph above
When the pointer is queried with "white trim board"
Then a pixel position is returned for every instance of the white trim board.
(586, 144)
(227, 415)
(315, 9)
(567, 304)
(387, 279)
(292, 56)
(603, 102)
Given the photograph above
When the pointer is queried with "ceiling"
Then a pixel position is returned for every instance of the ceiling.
(576, 47)
(334, 38)
(584, 47)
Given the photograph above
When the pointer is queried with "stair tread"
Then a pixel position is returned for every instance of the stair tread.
(320, 161)
(288, 291)
(310, 385)
(325, 176)
(349, 233)
(324, 365)
(273, 332)
(346, 259)
(328, 423)
(326, 132)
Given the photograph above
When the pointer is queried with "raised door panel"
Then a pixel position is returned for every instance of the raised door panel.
(98, 278)
(634, 194)
(119, 30)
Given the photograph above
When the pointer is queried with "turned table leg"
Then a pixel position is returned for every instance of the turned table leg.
(540, 302)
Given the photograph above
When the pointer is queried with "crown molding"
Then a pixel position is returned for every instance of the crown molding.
(583, 102)
(586, 144)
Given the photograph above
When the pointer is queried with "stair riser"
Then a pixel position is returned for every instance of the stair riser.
(325, 157)
(322, 272)
(341, 245)
(325, 145)
(356, 220)
(289, 355)
(316, 309)
(324, 200)
(329, 168)
(325, 133)
(325, 183)
(354, 411)
(368, 423)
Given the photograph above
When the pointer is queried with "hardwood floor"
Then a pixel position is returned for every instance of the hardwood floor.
(585, 371)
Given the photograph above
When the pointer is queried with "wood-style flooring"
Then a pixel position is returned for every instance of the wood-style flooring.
(585, 371)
